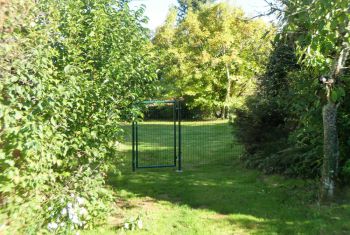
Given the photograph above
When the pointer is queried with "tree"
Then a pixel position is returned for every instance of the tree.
(212, 55)
(194, 5)
(70, 70)
(323, 32)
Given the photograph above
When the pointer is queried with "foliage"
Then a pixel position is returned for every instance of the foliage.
(274, 112)
(325, 47)
(321, 29)
(194, 5)
(305, 49)
(211, 56)
(70, 71)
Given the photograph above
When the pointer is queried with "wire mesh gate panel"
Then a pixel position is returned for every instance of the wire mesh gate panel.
(166, 138)
(209, 144)
(156, 142)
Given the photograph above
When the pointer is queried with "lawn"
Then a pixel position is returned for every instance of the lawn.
(215, 194)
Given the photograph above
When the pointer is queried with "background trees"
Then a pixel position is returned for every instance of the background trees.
(194, 5)
(212, 55)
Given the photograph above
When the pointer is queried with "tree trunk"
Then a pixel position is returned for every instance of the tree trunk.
(223, 113)
(228, 93)
(331, 141)
(330, 151)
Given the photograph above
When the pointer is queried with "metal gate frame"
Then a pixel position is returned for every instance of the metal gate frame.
(177, 138)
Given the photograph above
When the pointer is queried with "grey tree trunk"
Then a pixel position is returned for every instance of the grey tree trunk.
(331, 141)
(228, 93)
(330, 151)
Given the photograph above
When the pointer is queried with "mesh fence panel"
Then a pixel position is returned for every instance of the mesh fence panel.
(208, 142)
(204, 143)
(156, 143)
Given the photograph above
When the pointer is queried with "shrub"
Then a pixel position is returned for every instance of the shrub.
(281, 124)
(273, 124)
(69, 71)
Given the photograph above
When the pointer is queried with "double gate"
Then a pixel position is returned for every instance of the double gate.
(165, 131)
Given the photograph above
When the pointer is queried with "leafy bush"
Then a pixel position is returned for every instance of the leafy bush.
(274, 125)
(69, 71)
(281, 124)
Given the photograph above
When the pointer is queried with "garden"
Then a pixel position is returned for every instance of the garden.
(256, 142)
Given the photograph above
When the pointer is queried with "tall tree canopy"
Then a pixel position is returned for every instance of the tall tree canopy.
(212, 55)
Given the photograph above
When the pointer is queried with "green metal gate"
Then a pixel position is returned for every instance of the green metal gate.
(168, 151)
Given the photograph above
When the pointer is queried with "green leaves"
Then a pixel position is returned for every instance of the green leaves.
(337, 94)
(65, 85)
(196, 52)
(322, 27)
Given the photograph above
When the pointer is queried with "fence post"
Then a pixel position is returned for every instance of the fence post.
(137, 144)
(175, 107)
(133, 146)
(180, 136)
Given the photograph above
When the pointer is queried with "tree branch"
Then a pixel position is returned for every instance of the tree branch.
(340, 64)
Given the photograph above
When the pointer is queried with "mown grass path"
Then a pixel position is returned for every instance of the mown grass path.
(221, 198)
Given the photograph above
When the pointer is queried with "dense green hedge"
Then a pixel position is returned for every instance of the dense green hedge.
(70, 70)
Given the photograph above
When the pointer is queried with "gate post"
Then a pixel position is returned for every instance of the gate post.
(137, 144)
(175, 108)
(180, 136)
(133, 146)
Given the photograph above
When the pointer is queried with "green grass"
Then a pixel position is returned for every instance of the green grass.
(215, 194)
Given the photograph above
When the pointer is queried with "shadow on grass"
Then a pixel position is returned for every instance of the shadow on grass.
(242, 196)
